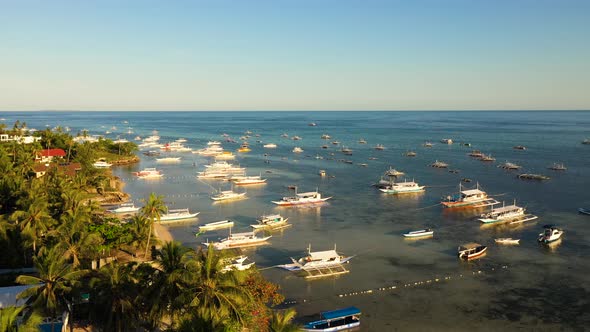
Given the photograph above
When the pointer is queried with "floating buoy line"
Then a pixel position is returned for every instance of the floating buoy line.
(404, 286)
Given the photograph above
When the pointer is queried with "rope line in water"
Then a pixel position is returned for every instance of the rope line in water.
(394, 287)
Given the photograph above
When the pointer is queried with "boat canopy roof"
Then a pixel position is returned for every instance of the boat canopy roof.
(308, 194)
(345, 312)
(472, 192)
(471, 245)
(323, 254)
(506, 208)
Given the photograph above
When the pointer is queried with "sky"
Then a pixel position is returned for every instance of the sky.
(294, 55)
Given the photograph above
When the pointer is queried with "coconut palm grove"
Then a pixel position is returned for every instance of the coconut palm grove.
(91, 271)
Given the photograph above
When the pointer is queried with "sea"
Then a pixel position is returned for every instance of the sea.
(398, 284)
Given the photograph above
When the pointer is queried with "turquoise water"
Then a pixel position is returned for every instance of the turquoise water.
(530, 286)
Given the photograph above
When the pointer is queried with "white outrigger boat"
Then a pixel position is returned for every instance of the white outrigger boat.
(239, 240)
(471, 250)
(177, 215)
(125, 208)
(272, 222)
(226, 195)
(513, 213)
(168, 160)
(507, 240)
(319, 263)
(311, 197)
(406, 187)
(550, 234)
(216, 225)
(248, 180)
(421, 233)
(336, 320)
(469, 198)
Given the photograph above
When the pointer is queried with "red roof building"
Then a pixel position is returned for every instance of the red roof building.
(48, 154)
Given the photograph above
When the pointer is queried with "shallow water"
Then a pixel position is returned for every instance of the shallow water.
(530, 286)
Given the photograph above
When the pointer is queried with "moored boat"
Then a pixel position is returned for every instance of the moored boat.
(317, 260)
(558, 167)
(125, 208)
(148, 173)
(168, 160)
(336, 320)
(507, 240)
(269, 146)
(503, 213)
(228, 195)
(248, 180)
(405, 187)
(237, 263)
(216, 225)
(297, 149)
(471, 250)
(274, 221)
(421, 233)
(509, 166)
(379, 147)
(584, 211)
(238, 240)
(177, 215)
(102, 164)
(311, 197)
(439, 164)
(550, 234)
(472, 198)
(446, 141)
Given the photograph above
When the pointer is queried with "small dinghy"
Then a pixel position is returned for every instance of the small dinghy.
(507, 240)
(420, 233)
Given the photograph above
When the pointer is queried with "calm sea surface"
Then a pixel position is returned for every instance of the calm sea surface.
(398, 284)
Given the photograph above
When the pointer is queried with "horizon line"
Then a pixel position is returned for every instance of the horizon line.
(307, 110)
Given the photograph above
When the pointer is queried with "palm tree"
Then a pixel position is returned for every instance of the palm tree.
(9, 318)
(54, 284)
(281, 321)
(116, 287)
(217, 295)
(35, 220)
(73, 237)
(175, 273)
(153, 210)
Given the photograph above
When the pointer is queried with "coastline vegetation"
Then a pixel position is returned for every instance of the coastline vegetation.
(104, 273)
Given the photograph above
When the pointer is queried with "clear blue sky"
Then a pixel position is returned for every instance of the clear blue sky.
(294, 54)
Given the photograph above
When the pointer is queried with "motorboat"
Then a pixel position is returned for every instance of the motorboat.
(550, 234)
(421, 233)
(509, 166)
(270, 146)
(427, 144)
(476, 154)
(446, 141)
(362, 141)
(296, 138)
(472, 198)
(102, 164)
(507, 240)
(238, 240)
(439, 164)
(177, 215)
(228, 195)
(529, 176)
(216, 225)
(311, 197)
(273, 221)
(336, 320)
(487, 157)
(297, 149)
(148, 173)
(393, 172)
(471, 250)
(326, 136)
(237, 264)
(379, 147)
(558, 167)
(125, 208)
(411, 154)
(405, 187)
(322, 173)
(519, 147)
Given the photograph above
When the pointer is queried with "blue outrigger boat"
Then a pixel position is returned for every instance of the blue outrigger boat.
(336, 320)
